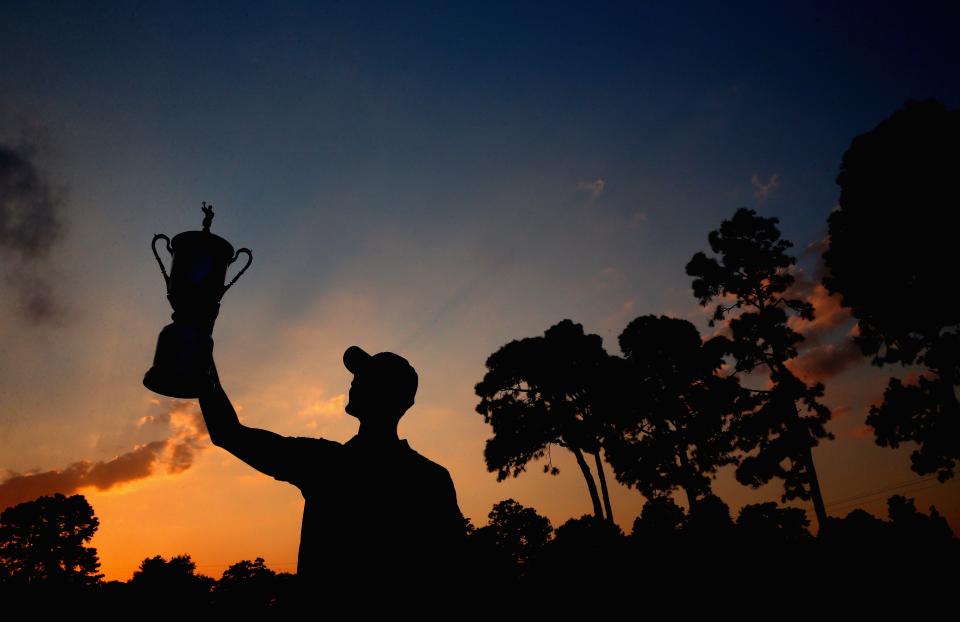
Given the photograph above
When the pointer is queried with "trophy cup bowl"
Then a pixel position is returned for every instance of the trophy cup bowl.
(195, 286)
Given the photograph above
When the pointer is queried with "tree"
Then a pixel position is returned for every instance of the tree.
(586, 554)
(890, 259)
(661, 519)
(674, 428)
(247, 585)
(518, 531)
(176, 582)
(543, 391)
(914, 528)
(42, 541)
(709, 520)
(769, 524)
(753, 276)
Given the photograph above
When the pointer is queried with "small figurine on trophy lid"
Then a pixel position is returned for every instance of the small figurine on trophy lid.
(195, 286)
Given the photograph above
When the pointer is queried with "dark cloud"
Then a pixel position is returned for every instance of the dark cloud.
(827, 360)
(825, 351)
(31, 224)
(827, 348)
(187, 435)
(132, 465)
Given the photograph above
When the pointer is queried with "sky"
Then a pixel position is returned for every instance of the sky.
(431, 179)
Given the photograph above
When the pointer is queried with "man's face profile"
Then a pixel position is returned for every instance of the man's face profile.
(383, 386)
(374, 395)
(355, 400)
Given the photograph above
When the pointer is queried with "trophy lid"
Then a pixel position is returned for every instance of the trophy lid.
(203, 239)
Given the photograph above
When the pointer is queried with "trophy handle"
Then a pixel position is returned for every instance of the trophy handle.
(163, 270)
(242, 270)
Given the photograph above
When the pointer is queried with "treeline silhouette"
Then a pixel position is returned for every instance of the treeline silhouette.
(517, 555)
(666, 413)
(672, 407)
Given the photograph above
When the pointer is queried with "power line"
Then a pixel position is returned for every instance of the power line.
(883, 498)
(882, 489)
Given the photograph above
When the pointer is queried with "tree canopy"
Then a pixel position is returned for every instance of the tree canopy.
(674, 428)
(891, 260)
(751, 277)
(543, 391)
(43, 541)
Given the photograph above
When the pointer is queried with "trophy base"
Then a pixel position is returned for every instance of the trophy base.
(184, 386)
(181, 365)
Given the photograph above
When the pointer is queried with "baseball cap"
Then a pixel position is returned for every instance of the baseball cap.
(391, 369)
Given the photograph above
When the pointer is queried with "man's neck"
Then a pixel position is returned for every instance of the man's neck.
(378, 435)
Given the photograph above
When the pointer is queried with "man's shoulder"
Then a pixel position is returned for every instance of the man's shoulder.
(429, 466)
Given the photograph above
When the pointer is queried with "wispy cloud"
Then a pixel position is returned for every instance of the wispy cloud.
(608, 278)
(764, 190)
(637, 218)
(815, 250)
(622, 315)
(595, 187)
(319, 408)
(186, 436)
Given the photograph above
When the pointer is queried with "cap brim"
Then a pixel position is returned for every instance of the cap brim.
(355, 359)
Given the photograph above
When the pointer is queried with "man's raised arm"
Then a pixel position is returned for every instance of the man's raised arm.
(265, 451)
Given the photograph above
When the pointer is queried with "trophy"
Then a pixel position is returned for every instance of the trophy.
(184, 354)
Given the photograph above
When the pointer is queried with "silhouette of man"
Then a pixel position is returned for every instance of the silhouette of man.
(376, 513)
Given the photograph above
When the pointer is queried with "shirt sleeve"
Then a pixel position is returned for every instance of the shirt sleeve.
(299, 460)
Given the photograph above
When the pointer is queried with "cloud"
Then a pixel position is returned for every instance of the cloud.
(31, 223)
(861, 431)
(704, 313)
(763, 191)
(822, 354)
(595, 188)
(623, 314)
(187, 435)
(826, 360)
(828, 315)
(609, 278)
(816, 249)
(840, 412)
(331, 407)
(637, 218)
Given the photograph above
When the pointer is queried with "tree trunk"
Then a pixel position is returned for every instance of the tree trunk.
(812, 480)
(687, 488)
(603, 487)
(818, 505)
(691, 498)
(591, 485)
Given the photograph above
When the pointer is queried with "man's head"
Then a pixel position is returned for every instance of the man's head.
(383, 387)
